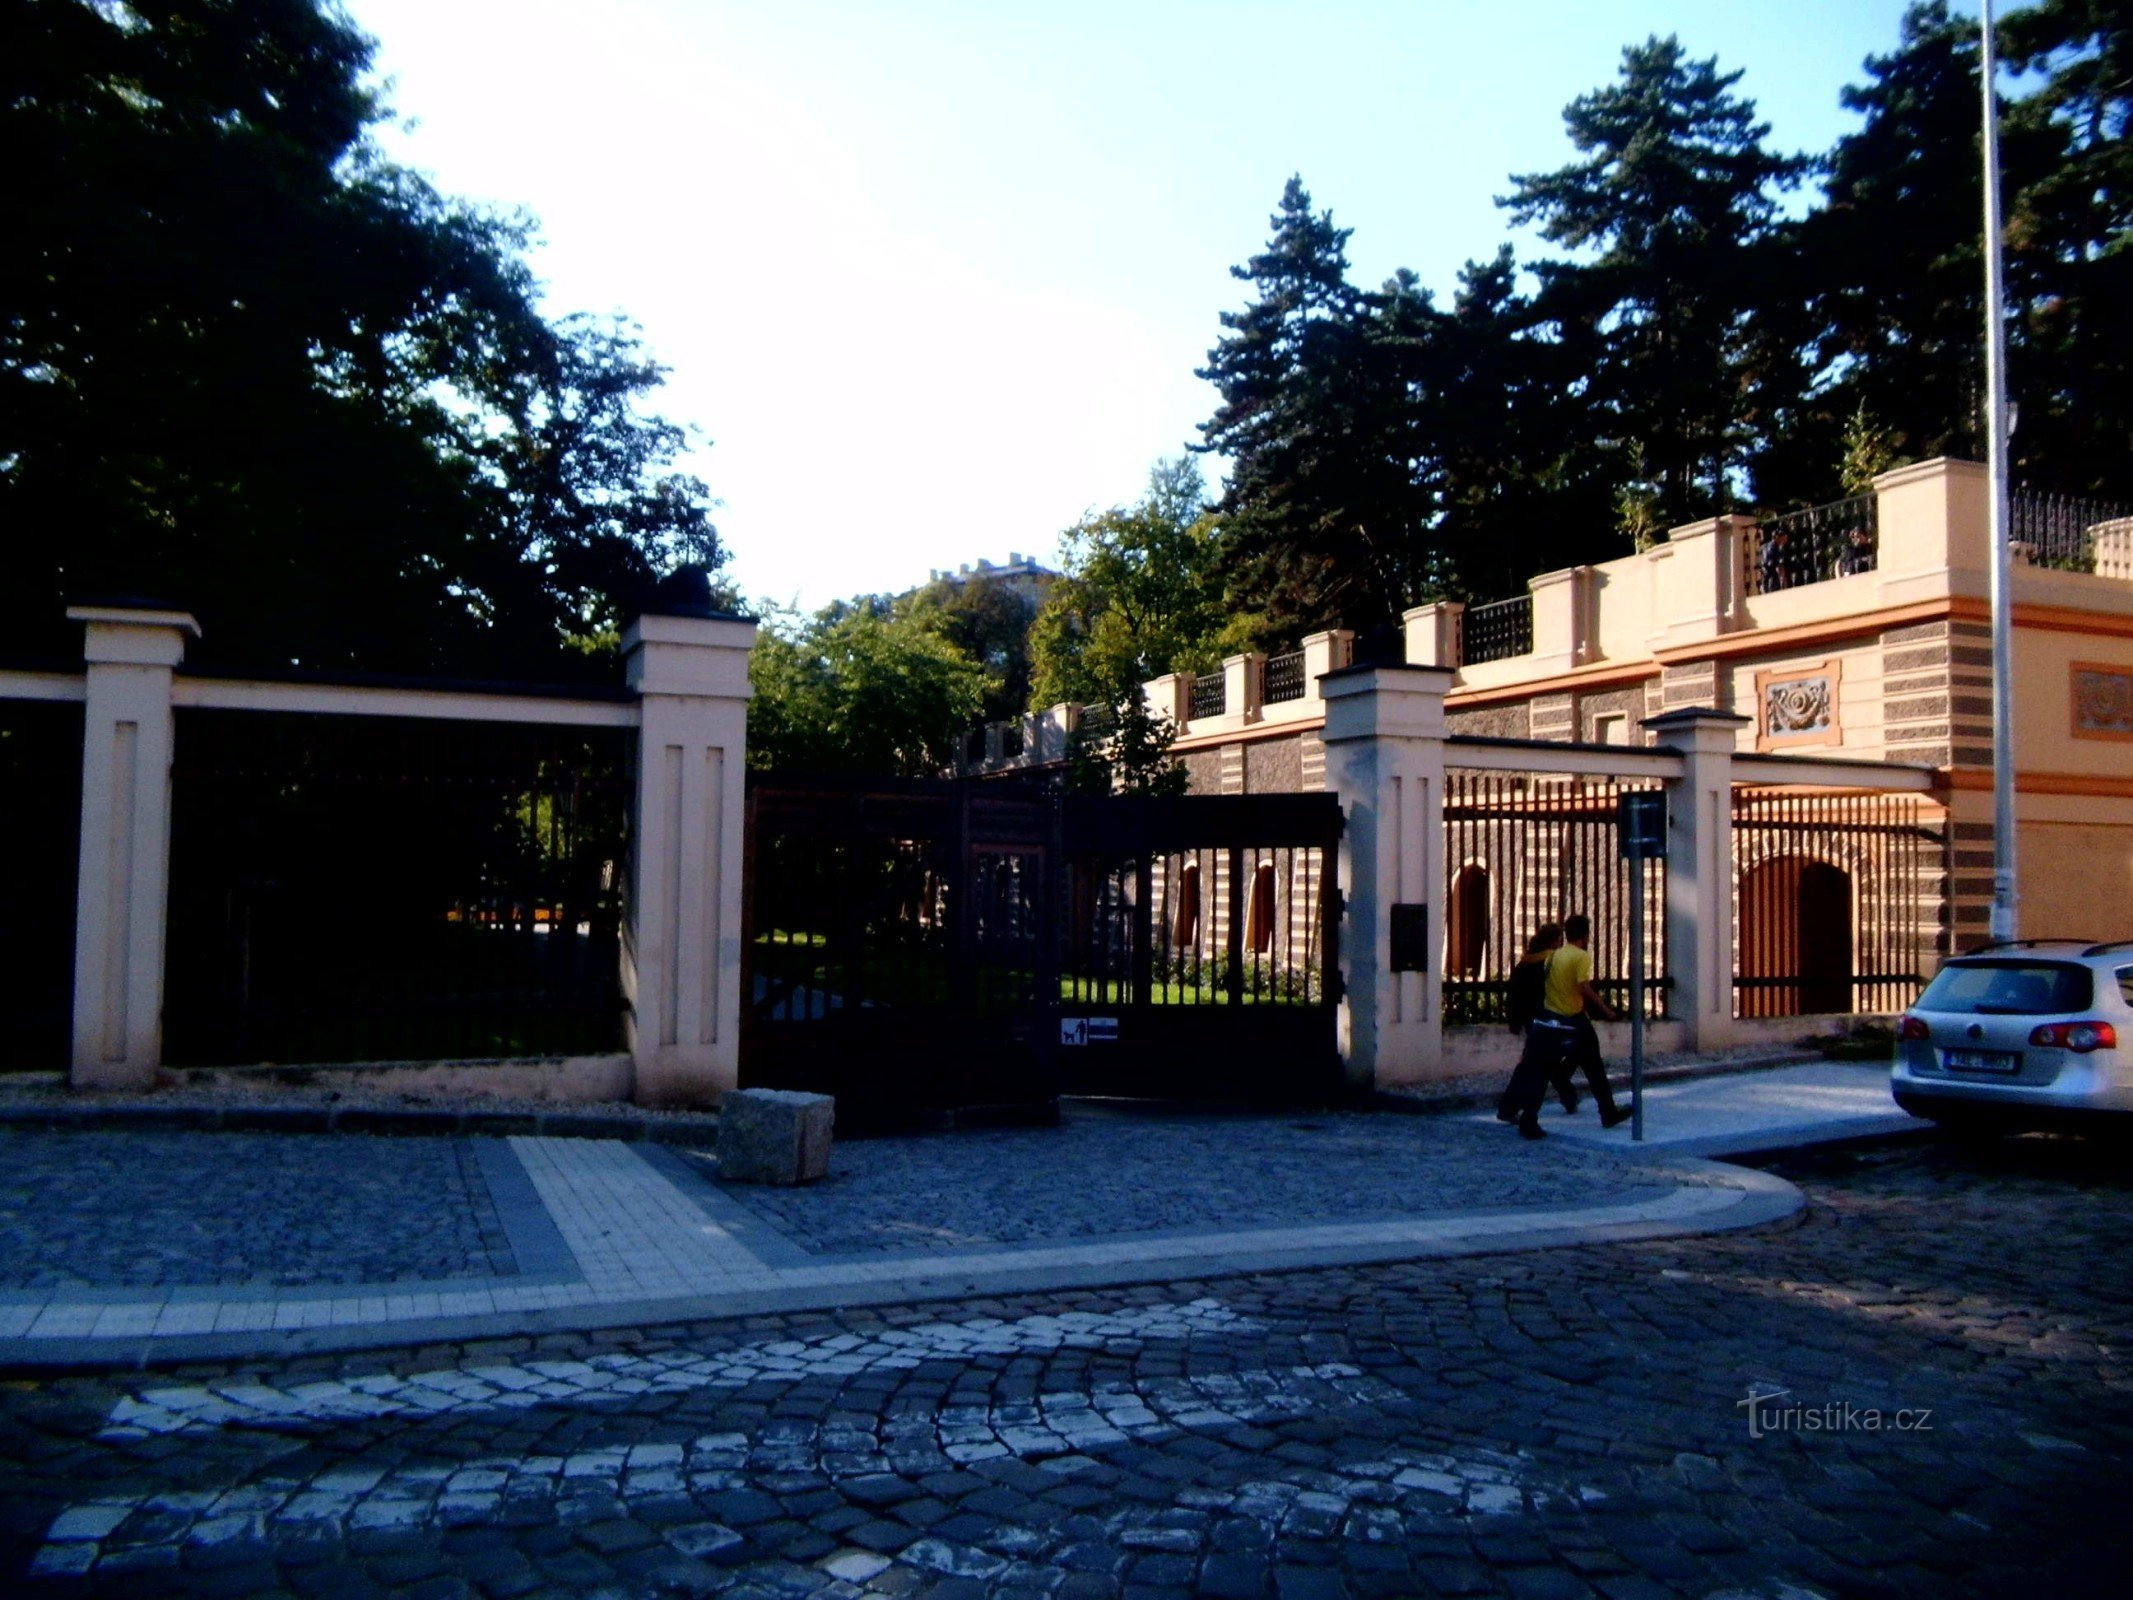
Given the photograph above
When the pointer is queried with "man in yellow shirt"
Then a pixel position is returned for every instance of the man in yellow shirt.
(1569, 995)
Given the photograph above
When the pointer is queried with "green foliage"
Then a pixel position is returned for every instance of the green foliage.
(1141, 595)
(250, 366)
(855, 688)
(2072, 214)
(1669, 205)
(1691, 348)
(1124, 748)
(990, 623)
(1330, 504)
(1869, 451)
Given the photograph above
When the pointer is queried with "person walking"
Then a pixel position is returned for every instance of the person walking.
(1568, 996)
(1545, 1057)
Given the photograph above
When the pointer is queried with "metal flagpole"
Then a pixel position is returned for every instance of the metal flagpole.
(2004, 922)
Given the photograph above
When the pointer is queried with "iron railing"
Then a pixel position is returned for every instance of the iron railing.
(1499, 629)
(1525, 849)
(1284, 678)
(1839, 900)
(1814, 545)
(1210, 695)
(366, 889)
(2070, 533)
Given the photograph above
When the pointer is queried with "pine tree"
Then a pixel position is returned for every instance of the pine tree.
(2072, 367)
(1893, 254)
(1329, 506)
(1670, 203)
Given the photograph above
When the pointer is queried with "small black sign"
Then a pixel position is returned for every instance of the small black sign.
(1410, 938)
(1642, 820)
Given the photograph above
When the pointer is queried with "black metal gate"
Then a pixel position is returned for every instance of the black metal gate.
(1202, 954)
(40, 836)
(934, 947)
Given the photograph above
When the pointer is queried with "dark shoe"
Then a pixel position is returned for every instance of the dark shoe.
(1569, 1097)
(1614, 1118)
(1506, 1114)
(1531, 1130)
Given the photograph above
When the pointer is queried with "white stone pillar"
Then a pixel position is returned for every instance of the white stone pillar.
(681, 948)
(1433, 633)
(1323, 653)
(1699, 871)
(122, 888)
(1560, 606)
(1170, 697)
(1243, 683)
(1385, 759)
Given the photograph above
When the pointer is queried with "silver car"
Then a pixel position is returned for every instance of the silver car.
(2033, 1034)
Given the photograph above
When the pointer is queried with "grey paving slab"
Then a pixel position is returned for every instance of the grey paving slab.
(1782, 1108)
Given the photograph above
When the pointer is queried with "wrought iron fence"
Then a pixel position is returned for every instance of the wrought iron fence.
(2070, 533)
(1814, 545)
(1525, 849)
(1284, 678)
(40, 842)
(1499, 629)
(1839, 900)
(1210, 695)
(1196, 927)
(357, 888)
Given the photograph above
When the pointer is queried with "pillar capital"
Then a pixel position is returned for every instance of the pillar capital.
(1697, 730)
(1376, 702)
(130, 634)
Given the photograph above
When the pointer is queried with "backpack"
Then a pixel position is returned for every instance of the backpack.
(1522, 1001)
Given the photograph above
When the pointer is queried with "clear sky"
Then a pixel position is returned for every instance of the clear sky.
(933, 275)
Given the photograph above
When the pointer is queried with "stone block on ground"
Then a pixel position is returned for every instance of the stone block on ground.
(774, 1136)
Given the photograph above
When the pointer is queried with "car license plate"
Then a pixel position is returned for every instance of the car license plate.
(1981, 1061)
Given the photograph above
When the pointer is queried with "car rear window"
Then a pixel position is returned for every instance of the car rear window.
(2009, 988)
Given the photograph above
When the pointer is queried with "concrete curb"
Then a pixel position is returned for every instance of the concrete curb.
(1744, 1198)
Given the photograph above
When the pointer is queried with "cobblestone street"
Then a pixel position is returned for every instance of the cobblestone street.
(1550, 1423)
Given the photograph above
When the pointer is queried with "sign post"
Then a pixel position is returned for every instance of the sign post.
(1642, 824)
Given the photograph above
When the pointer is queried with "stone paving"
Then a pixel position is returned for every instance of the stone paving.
(591, 1232)
(1541, 1424)
(1107, 1175)
(112, 1208)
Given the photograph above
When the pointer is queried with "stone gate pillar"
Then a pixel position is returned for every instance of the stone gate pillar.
(123, 883)
(1699, 871)
(681, 941)
(1384, 739)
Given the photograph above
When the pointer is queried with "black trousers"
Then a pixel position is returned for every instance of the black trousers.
(1556, 1047)
(1586, 1054)
(1548, 1058)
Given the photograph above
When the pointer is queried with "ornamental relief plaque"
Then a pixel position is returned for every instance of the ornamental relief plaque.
(2103, 701)
(1798, 706)
(1793, 706)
